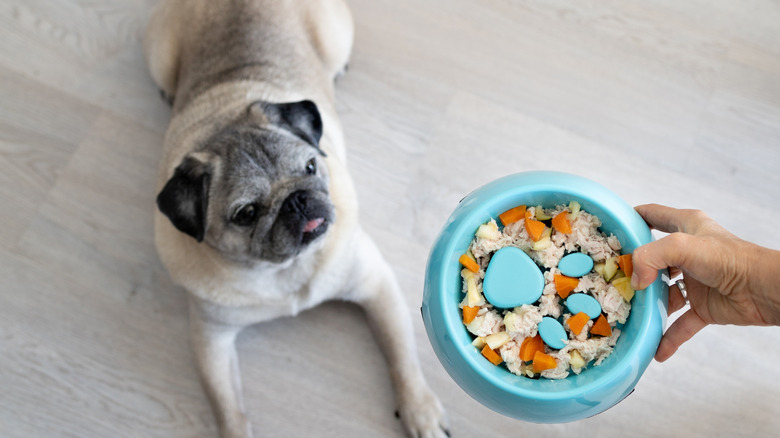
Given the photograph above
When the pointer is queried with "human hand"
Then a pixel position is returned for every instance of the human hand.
(729, 280)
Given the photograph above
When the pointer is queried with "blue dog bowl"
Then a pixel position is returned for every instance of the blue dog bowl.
(594, 390)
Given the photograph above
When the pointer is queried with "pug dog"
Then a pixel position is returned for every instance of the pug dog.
(257, 213)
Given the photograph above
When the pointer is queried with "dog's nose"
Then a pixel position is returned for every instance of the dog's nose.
(303, 215)
(296, 202)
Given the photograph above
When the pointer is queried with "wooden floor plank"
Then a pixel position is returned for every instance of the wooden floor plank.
(664, 101)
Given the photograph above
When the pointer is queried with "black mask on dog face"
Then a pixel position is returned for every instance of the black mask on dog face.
(258, 189)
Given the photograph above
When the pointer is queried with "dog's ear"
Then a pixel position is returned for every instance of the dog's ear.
(300, 118)
(185, 197)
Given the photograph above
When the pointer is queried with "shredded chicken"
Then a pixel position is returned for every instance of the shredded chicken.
(522, 322)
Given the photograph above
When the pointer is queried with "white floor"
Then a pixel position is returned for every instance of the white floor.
(663, 101)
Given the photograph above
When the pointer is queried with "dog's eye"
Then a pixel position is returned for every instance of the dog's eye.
(245, 215)
(311, 167)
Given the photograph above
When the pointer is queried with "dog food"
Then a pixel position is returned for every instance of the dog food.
(559, 311)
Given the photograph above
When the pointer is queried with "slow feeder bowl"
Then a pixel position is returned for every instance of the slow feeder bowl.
(594, 390)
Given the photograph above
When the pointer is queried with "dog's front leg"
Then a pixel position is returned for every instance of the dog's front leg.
(215, 350)
(380, 296)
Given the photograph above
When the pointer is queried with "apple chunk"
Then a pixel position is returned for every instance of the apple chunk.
(610, 268)
(623, 286)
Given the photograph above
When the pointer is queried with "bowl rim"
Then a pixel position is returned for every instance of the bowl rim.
(484, 203)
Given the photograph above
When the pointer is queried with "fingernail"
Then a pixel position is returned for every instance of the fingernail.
(635, 281)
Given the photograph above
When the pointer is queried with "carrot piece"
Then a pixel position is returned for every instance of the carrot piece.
(601, 327)
(534, 228)
(561, 223)
(469, 313)
(564, 285)
(543, 362)
(626, 264)
(530, 346)
(469, 263)
(491, 355)
(577, 322)
(512, 215)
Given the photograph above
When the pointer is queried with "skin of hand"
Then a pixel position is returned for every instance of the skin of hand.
(729, 280)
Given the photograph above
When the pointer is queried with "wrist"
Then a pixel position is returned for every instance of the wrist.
(764, 286)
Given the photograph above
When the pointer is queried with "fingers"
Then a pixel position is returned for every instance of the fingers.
(676, 300)
(648, 259)
(670, 220)
(678, 333)
(674, 272)
(671, 250)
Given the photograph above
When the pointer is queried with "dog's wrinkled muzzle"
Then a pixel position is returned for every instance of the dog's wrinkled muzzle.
(305, 215)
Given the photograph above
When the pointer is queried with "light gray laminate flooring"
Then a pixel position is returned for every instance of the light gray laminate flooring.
(675, 102)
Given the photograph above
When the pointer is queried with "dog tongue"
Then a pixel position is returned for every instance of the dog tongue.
(313, 224)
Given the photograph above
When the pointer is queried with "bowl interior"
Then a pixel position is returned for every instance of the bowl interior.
(639, 338)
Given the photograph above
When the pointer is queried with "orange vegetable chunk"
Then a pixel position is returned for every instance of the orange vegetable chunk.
(534, 228)
(530, 346)
(626, 264)
(512, 215)
(491, 355)
(469, 313)
(469, 263)
(564, 284)
(543, 362)
(577, 322)
(601, 327)
(561, 223)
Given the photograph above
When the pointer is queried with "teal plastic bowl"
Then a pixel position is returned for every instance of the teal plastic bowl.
(594, 390)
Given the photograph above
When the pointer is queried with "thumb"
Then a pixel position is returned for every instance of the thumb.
(678, 333)
(671, 250)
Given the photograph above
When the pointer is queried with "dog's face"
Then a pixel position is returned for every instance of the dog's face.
(257, 190)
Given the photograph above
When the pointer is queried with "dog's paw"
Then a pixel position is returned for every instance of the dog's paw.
(237, 427)
(423, 415)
